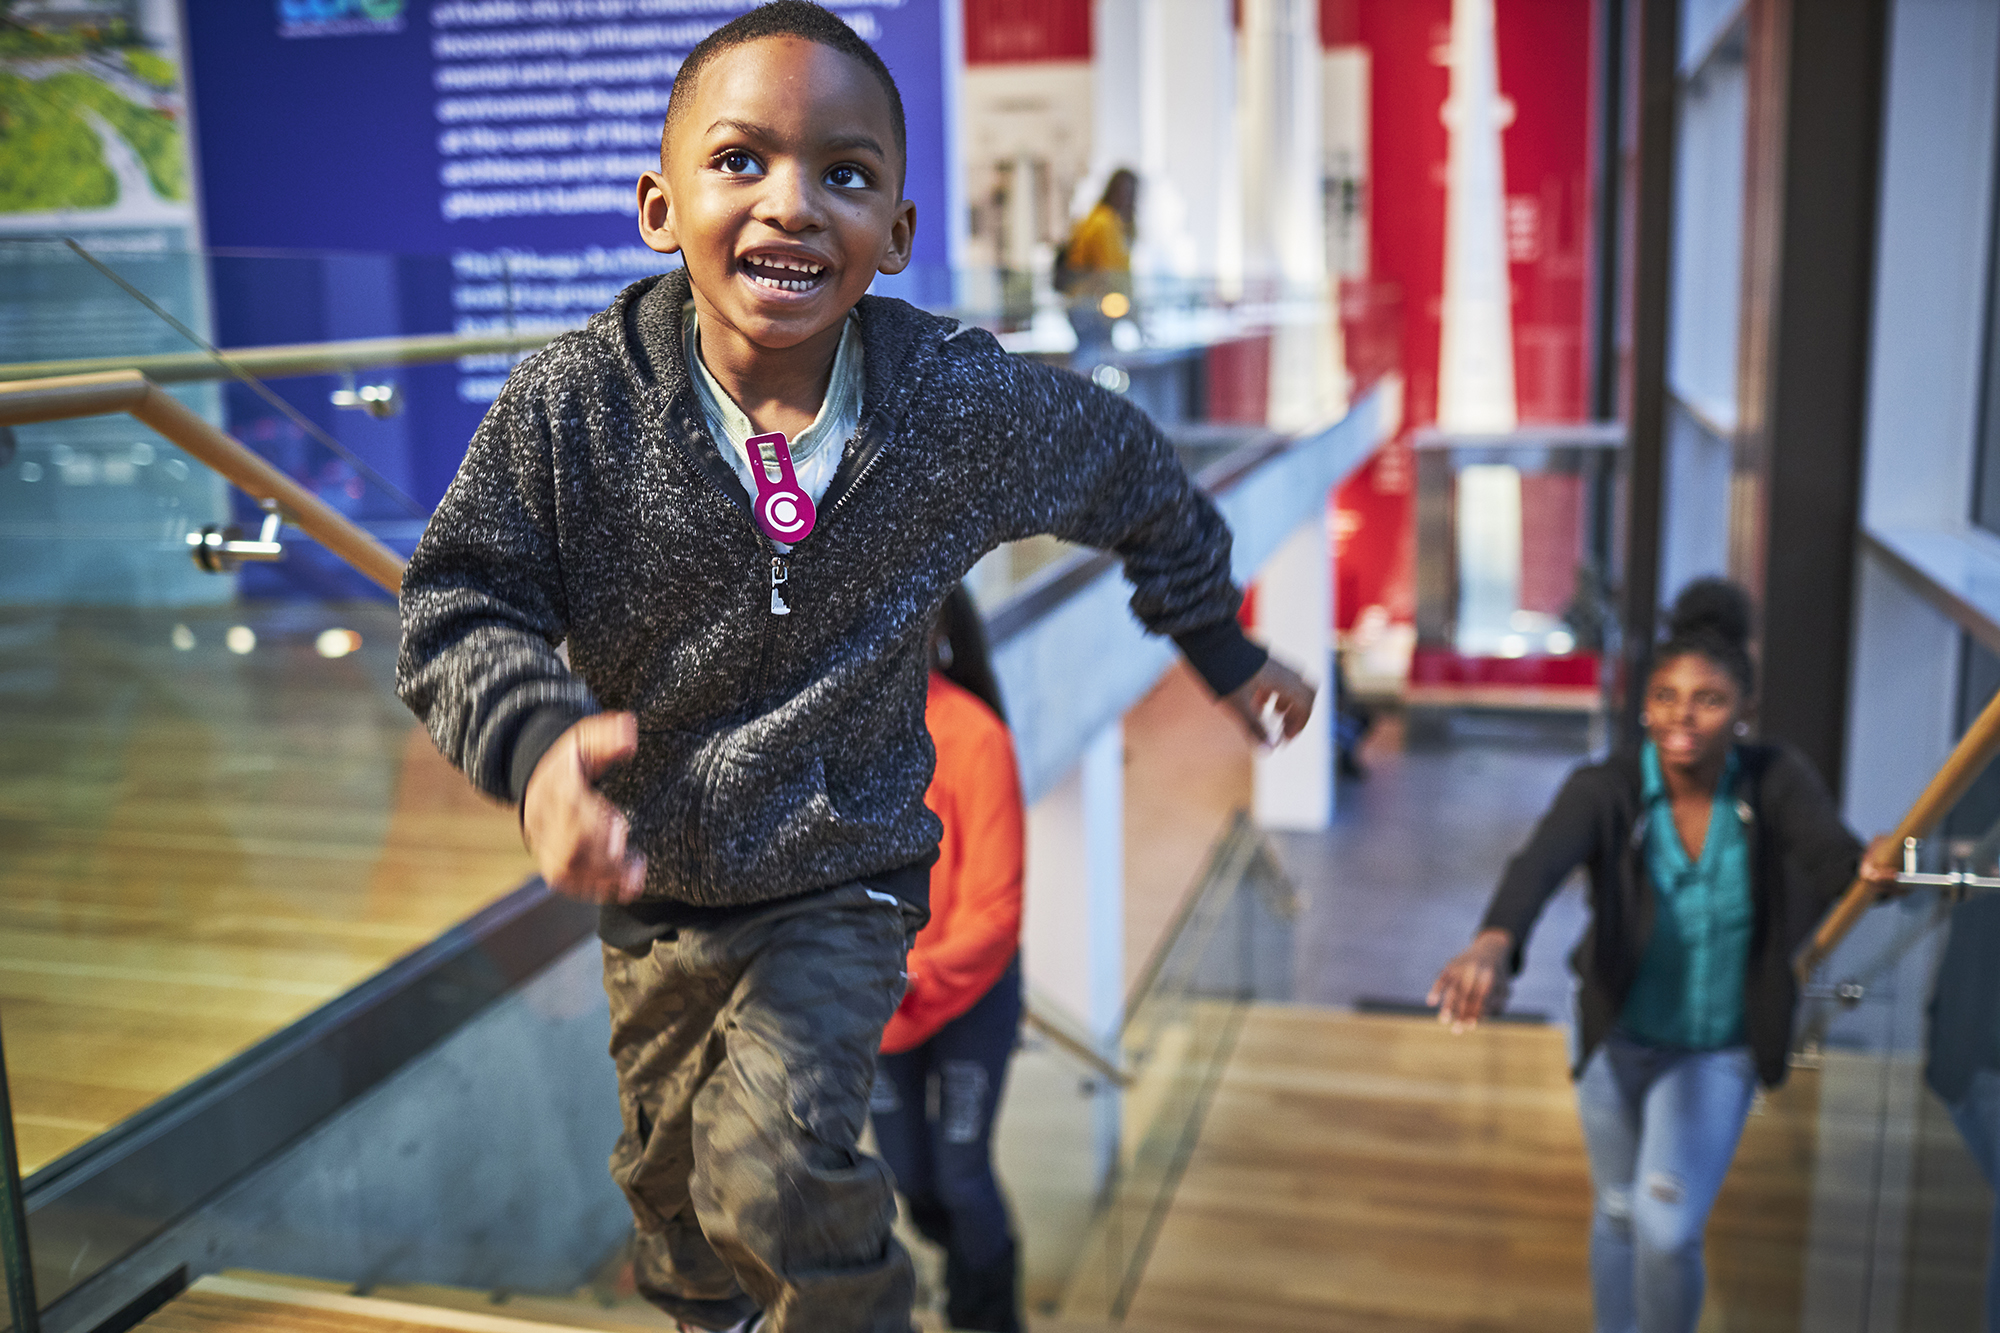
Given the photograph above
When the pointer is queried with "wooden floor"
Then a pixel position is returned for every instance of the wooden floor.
(1363, 1174)
(198, 846)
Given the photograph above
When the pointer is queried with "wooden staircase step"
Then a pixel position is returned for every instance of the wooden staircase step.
(225, 1304)
(250, 1302)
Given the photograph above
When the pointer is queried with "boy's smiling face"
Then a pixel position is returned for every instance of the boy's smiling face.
(782, 190)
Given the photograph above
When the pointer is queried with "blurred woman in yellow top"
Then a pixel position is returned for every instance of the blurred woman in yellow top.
(1094, 268)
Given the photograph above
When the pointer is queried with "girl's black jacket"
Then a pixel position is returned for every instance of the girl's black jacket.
(1801, 858)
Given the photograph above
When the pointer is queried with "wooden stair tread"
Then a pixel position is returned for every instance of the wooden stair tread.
(279, 1303)
(219, 1304)
(630, 1314)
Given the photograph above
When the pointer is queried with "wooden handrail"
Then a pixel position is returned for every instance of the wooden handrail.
(1968, 760)
(288, 359)
(62, 397)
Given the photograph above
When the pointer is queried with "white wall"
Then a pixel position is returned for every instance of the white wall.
(1117, 96)
(1039, 112)
(1186, 160)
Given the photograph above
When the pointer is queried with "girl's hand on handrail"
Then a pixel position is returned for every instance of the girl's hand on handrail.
(1474, 983)
(1880, 865)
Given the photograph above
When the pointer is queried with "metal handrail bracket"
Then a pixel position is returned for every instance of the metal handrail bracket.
(1968, 759)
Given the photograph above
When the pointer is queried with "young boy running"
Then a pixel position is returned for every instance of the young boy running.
(739, 496)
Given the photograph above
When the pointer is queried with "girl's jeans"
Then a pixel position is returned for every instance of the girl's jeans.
(1661, 1126)
(933, 1110)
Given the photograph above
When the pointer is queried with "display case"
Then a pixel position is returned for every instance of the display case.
(1514, 563)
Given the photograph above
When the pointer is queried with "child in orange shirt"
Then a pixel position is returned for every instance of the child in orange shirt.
(944, 1054)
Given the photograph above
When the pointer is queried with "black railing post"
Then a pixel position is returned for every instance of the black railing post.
(20, 1264)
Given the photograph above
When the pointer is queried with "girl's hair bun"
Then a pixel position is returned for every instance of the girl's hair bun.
(1711, 607)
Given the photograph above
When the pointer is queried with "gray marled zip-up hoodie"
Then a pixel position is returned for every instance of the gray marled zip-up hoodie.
(777, 753)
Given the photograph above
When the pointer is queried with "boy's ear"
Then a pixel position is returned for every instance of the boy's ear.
(656, 214)
(902, 233)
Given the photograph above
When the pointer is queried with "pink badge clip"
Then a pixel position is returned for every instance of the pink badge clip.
(784, 511)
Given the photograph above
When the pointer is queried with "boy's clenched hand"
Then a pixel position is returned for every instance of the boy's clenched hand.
(1278, 689)
(578, 838)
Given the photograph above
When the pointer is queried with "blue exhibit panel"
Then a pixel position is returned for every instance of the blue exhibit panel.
(373, 167)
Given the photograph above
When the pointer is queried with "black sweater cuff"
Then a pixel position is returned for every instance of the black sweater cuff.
(532, 740)
(1223, 654)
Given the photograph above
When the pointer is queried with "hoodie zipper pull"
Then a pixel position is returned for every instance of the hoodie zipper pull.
(781, 573)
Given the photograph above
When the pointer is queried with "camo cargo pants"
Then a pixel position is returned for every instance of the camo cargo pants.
(745, 1054)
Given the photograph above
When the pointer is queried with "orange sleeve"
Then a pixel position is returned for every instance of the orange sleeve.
(977, 929)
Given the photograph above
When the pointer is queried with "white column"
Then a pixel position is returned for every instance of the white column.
(1281, 121)
(1117, 103)
(1021, 230)
(1187, 156)
(1073, 935)
(1164, 100)
(1294, 783)
(1345, 79)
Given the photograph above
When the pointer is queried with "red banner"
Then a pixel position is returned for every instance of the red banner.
(1544, 57)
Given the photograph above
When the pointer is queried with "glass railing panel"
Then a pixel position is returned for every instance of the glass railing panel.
(1938, 1120)
(213, 819)
(1049, 1140)
(377, 444)
(90, 505)
(1954, 1135)
(1900, 1044)
(215, 814)
(1230, 948)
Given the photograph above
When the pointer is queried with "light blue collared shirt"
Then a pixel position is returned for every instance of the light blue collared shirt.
(817, 450)
(1689, 991)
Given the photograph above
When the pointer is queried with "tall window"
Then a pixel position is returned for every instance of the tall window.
(1979, 679)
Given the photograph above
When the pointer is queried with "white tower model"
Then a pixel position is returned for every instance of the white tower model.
(1281, 116)
(1476, 351)
(1476, 344)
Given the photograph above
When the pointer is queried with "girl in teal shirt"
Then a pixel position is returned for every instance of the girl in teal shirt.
(1710, 858)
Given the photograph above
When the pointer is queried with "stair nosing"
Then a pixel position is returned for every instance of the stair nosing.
(404, 1312)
